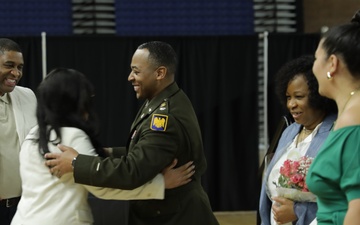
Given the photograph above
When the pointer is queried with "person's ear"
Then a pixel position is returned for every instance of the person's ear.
(334, 63)
(161, 72)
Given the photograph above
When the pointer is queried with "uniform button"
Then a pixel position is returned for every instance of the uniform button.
(158, 212)
(149, 194)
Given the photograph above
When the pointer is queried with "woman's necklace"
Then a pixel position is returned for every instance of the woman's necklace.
(307, 131)
(303, 135)
(347, 101)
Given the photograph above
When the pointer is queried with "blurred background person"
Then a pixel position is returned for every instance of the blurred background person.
(314, 115)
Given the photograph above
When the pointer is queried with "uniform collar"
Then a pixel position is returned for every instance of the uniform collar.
(162, 96)
(150, 106)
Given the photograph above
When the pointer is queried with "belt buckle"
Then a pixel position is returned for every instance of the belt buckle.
(8, 203)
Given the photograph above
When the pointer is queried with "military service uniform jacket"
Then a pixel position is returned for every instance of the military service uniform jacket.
(164, 128)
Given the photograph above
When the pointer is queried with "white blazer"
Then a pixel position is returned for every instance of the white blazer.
(47, 199)
(23, 101)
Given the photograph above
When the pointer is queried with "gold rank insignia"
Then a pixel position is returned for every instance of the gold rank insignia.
(158, 122)
(163, 106)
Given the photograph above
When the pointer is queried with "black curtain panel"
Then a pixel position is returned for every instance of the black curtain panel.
(32, 73)
(219, 74)
(220, 77)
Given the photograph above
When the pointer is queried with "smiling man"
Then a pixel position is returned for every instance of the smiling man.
(166, 127)
(17, 117)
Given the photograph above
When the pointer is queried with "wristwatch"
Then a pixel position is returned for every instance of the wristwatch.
(73, 162)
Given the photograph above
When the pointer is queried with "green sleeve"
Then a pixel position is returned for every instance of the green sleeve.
(119, 151)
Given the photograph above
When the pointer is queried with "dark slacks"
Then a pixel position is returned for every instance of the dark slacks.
(8, 210)
(109, 212)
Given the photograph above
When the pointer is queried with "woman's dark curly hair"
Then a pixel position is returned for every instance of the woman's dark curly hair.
(302, 66)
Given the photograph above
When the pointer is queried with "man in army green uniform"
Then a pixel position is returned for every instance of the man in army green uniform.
(166, 127)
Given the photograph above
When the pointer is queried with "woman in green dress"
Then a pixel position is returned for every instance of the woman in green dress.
(335, 173)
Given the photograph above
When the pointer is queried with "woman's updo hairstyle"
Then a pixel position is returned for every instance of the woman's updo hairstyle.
(344, 42)
(356, 18)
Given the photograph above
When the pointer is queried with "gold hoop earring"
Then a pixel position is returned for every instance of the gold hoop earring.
(328, 74)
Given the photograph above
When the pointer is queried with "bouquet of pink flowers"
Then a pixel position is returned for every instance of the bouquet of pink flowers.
(291, 183)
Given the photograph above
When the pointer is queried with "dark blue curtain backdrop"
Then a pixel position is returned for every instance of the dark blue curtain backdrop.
(184, 17)
(31, 17)
(133, 17)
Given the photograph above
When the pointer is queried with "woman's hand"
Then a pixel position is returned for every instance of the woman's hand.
(179, 176)
(283, 210)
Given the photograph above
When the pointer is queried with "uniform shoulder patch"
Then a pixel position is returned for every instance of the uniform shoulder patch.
(159, 122)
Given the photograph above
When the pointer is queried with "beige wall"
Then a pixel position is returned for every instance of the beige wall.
(318, 13)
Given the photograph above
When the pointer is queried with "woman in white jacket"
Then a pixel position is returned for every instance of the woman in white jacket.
(65, 116)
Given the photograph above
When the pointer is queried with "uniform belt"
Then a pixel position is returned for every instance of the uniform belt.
(10, 202)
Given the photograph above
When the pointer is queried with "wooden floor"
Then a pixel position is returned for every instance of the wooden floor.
(236, 218)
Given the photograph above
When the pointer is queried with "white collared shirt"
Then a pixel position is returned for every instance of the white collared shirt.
(10, 181)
